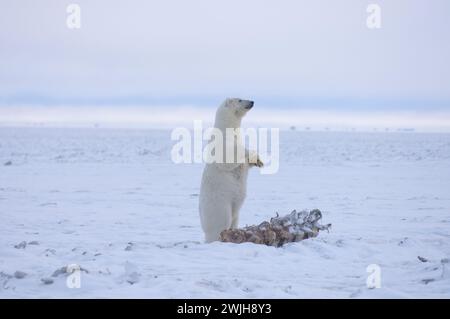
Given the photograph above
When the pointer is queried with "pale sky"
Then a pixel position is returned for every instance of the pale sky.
(199, 51)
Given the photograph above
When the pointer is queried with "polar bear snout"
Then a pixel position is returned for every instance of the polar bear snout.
(249, 105)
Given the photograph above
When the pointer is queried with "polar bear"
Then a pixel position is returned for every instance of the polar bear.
(224, 185)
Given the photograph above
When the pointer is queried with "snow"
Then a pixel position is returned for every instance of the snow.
(112, 202)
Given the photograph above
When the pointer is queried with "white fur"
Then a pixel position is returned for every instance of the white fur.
(224, 185)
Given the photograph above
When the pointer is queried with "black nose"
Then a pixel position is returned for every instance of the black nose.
(249, 105)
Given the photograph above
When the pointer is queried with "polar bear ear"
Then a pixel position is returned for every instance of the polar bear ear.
(227, 102)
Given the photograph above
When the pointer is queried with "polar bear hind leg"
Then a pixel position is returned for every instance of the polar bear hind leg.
(235, 215)
(215, 219)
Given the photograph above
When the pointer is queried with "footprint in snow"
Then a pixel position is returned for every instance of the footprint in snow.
(132, 275)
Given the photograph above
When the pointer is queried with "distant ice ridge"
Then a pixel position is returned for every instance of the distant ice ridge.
(81, 145)
(262, 116)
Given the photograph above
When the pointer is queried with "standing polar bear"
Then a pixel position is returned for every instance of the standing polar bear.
(224, 184)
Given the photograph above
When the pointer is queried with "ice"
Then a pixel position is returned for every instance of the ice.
(112, 201)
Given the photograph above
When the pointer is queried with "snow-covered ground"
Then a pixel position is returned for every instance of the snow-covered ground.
(113, 202)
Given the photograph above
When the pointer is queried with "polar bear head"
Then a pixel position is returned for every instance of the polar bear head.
(231, 112)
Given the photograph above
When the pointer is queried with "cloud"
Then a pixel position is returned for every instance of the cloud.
(258, 48)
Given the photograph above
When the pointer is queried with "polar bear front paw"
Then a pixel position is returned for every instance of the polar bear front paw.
(259, 163)
(254, 160)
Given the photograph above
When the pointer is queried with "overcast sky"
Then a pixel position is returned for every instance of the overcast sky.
(178, 51)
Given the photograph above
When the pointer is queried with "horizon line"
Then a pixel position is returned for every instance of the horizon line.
(160, 116)
(360, 103)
